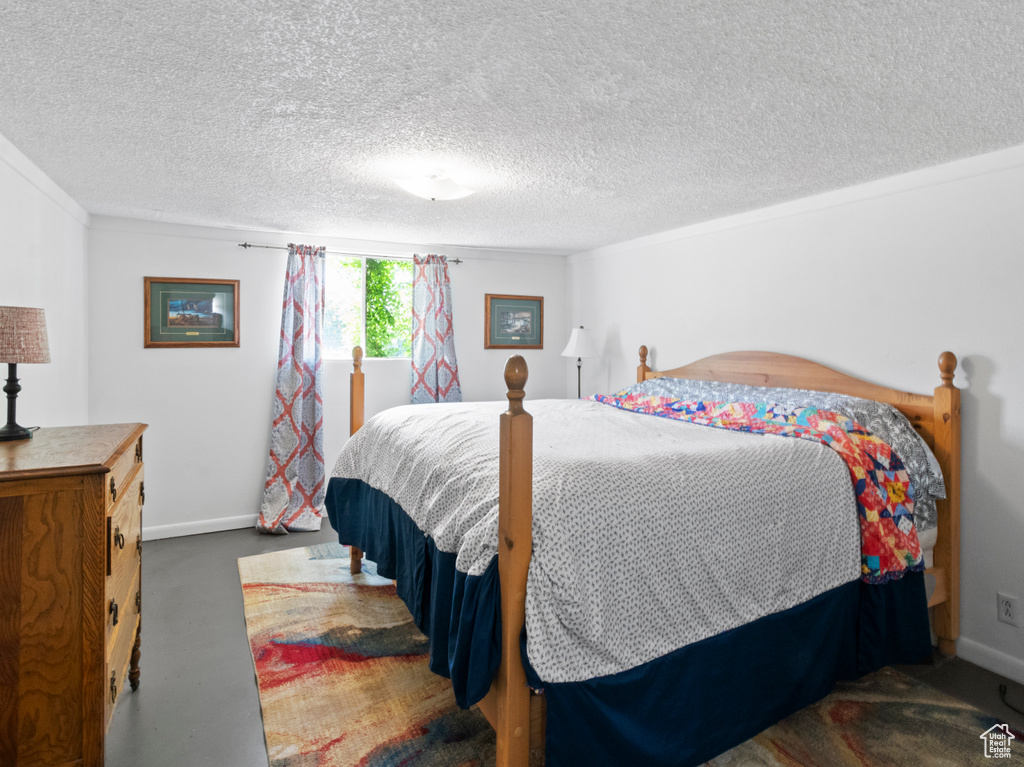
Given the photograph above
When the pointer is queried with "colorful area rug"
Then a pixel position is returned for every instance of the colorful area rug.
(343, 680)
(885, 719)
(342, 669)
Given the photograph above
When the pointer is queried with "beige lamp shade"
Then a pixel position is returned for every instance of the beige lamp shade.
(580, 344)
(23, 335)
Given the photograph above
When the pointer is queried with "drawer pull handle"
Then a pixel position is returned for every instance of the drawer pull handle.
(142, 493)
(113, 490)
(138, 545)
(138, 602)
(118, 538)
(113, 611)
(113, 686)
(138, 451)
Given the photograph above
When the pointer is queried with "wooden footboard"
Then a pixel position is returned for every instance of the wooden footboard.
(946, 567)
(356, 412)
(507, 705)
(517, 716)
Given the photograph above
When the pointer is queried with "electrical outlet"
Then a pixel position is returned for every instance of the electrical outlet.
(1009, 609)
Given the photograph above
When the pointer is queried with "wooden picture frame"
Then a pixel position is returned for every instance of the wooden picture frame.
(513, 322)
(182, 313)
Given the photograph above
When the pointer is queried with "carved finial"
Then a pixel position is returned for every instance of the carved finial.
(642, 370)
(516, 374)
(357, 359)
(947, 365)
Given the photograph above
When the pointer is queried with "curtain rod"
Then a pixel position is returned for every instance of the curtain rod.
(248, 245)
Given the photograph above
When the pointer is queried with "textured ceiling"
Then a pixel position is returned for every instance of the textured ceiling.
(580, 122)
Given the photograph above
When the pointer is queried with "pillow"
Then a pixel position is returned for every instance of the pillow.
(877, 417)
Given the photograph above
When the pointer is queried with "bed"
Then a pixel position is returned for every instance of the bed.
(688, 704)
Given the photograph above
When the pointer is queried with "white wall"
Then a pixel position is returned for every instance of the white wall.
(209, 410)
(875, 281)
(42, 264)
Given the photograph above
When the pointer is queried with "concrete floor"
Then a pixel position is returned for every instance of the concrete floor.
(197, 704)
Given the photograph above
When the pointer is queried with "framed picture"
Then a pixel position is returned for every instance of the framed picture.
(183, 313)
(513, 322)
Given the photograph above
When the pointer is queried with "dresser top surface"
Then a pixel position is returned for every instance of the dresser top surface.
(67, 450)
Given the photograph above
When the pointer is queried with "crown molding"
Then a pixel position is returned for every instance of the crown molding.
(28, 170)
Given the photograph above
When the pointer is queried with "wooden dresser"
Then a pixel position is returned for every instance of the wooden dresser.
(70, 590)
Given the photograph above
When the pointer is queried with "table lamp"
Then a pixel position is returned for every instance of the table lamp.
(22, 339)
(580, 345)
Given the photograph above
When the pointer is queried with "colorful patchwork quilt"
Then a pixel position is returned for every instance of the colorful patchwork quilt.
(885, 495)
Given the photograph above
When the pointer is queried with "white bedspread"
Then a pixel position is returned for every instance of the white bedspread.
(649, 534)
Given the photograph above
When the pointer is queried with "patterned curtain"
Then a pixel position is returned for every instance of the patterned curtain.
(435, 373)
(293, 496)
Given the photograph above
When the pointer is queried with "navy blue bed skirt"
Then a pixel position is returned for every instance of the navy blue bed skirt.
(680, 709)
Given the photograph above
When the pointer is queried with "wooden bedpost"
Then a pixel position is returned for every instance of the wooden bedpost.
(356, 412)
(947, 544)
(515, 545)
(642, 368)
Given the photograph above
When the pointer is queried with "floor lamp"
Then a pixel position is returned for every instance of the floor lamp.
(22, 339)
(580, 345)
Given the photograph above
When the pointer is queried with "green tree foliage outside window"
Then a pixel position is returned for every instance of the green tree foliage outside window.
(388, 308)
(387, 301)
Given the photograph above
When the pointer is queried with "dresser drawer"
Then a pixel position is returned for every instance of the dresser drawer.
(124, 527)
(129, 605)
(119, 653)
(122, 600)
(121, 472)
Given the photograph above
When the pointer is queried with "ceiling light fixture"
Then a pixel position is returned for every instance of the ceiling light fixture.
(436, 185)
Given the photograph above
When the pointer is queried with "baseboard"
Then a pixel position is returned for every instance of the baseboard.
(993, 660)
(154, 532)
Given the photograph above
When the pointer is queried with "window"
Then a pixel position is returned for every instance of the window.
(368, 303)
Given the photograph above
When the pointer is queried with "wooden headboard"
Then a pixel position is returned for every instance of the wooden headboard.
(771, 369)
(935, 416)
